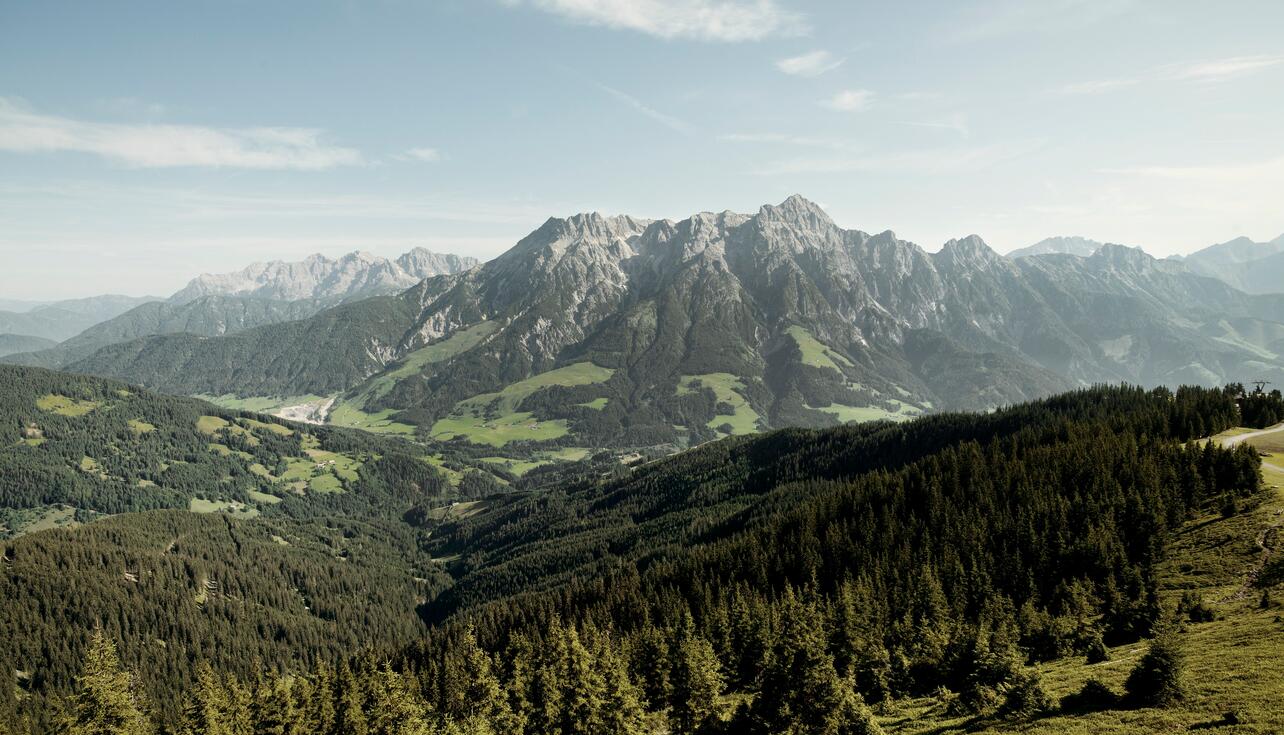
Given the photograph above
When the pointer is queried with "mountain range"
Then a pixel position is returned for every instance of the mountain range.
(12, 343)
(60, 320)
(1081, 246)
(617, 331)
(1254, 267)
(352, 276)
(262, 293)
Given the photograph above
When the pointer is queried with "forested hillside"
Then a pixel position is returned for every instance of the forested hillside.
(14, 343)
(207, 316)
(83, 446)
(241, 538)
(800, 581)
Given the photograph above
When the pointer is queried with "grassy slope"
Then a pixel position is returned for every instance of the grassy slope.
(1233, 663)
(493, 418)
(258, 404)
(816, 354)
(848, 414)
(349, 409)
(727, 388)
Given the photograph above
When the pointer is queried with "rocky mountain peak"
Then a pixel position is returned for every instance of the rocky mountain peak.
(594, 225)
(1122, 256)
(796, 210)
(970, 251)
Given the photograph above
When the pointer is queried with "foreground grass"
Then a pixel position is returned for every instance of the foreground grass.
(1233, 664)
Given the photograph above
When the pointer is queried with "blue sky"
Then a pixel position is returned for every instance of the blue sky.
(144, 142)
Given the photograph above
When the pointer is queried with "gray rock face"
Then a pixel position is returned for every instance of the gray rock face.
(354, 275)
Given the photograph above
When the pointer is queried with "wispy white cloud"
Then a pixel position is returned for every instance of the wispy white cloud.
(1206, 72)
(666, 120)
(132, 106)
(1218, 70)
(810, 65)
(849, 100)
(701, 20)
(427, 155)
(956, 122)
(23, 130)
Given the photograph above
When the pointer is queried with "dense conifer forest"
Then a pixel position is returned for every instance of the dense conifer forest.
(792, 582)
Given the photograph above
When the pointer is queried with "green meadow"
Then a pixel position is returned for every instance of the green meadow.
(727, 387)
(493, 418)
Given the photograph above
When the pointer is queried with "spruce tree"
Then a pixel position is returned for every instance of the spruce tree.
(651, 664)
(321, 709)
(106, 701)
(583, 689)
(547, 682)
(622, 712)
(470, 689)
(206, 709)
(394, 709)
(349, 703)
(273, 707)
(1156, 680)
(697, 683)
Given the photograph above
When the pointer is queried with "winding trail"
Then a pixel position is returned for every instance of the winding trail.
(1264, 549)
(1231, 441)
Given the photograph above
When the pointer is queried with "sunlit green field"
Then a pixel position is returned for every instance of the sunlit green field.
(727, 387)
(493, 418)
(347, 414)
(230, 507)
(259, 404)
(64, 406)
(349, 409)
(458, 343)
(849, 414)
(814, 352)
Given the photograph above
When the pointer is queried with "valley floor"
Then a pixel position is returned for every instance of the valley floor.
(1234, 665)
